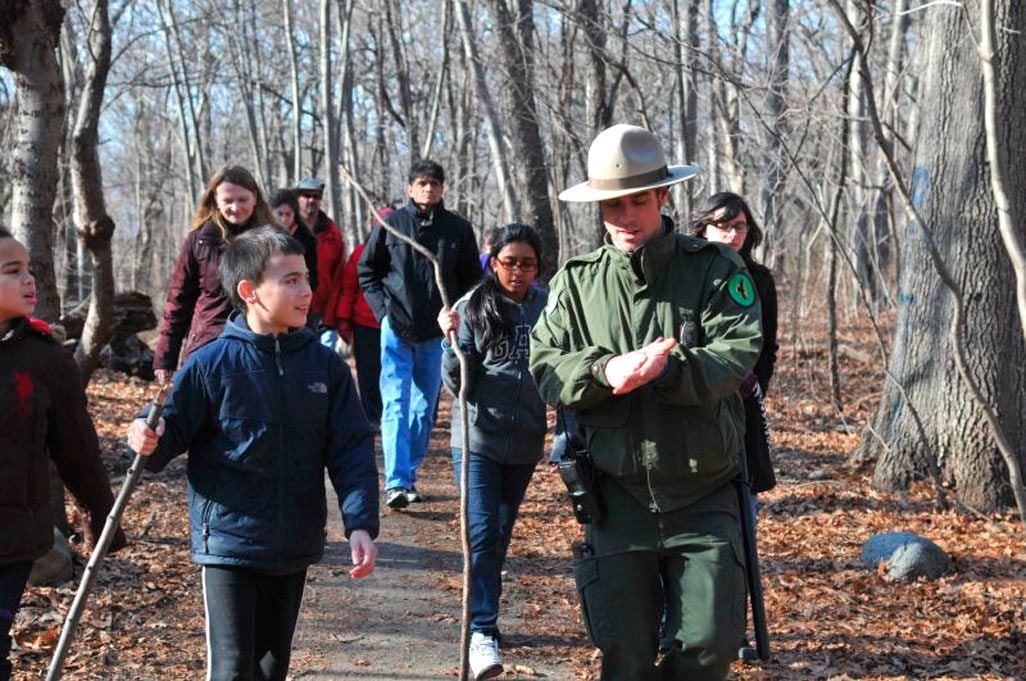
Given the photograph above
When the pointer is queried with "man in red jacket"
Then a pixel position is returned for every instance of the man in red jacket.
(331, 252)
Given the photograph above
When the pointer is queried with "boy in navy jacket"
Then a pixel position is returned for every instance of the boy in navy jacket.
(263, 411)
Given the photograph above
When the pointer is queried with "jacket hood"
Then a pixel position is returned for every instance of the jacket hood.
(238, 329)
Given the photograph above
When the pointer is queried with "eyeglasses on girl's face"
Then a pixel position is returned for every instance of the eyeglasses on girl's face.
(522, 264)
(737, 226)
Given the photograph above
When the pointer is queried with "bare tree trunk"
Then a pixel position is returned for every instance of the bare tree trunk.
(499, 162)
(192, 149)
(95, 226)
(776, 102)
(949, 177)
(393, 20)
(297, 105)
(516, 44)
(599, 113)
(687, 42)
(28, 34)
(355, 220)
(332, 193)
(834, 238)
(883, 215)
(436, 96)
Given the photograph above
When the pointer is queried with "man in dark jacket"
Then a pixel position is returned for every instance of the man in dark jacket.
(399, 285)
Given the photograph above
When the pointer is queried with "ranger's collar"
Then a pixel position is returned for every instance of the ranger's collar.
(650, 260)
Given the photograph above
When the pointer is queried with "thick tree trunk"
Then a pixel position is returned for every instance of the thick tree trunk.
(499, 162)
(28, 34)
(95, 226)
(516, 44)
(952, 191)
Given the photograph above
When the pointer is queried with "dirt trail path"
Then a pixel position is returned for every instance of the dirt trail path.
(403, 622)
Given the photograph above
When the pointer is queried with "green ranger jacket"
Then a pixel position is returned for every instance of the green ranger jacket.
(677, 438)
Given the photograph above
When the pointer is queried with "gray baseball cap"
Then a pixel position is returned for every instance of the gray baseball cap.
(310, 184)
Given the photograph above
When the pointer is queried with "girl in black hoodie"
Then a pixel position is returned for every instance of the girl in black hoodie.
(42, 417)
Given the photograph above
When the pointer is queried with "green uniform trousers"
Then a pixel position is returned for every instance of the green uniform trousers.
(687, 563)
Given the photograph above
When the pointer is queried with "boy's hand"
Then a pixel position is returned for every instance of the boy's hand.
(141, 439)
(364, 554)
(162, 376)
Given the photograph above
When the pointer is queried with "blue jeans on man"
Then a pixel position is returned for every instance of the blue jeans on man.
(494, 493)
(411, 376)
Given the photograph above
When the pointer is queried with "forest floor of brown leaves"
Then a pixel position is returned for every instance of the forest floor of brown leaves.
(830, 616)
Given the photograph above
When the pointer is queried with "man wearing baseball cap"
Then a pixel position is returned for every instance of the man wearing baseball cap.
(331, 252)
(647, 339)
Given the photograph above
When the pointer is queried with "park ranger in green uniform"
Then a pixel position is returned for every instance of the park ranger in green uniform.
(647, 340)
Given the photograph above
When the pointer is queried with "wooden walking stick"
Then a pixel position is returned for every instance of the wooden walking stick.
(100, 550)
(465, 435)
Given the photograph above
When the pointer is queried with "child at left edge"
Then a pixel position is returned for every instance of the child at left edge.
(262, 412)
(43, 418)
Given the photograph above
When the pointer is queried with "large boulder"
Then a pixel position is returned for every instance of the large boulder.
(907, 555)
(129, 356)
(133, 313)
(55, 567)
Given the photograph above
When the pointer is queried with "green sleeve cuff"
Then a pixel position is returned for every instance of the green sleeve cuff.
(598, 370)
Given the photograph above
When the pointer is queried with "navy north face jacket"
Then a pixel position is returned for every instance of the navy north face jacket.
(262, 417)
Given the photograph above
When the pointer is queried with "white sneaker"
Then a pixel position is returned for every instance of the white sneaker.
(485, 661)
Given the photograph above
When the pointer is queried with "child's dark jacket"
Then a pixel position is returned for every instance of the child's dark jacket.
(43, 417)
(262, 417)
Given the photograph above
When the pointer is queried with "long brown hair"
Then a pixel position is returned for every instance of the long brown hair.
(207, 208)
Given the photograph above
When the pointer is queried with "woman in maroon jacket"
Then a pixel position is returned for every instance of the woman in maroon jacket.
(197, 307)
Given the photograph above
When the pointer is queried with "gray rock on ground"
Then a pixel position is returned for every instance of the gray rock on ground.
(55, 567)
(908, 556)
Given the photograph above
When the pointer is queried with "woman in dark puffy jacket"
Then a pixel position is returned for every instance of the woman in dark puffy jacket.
(727, 219)
(492, 324)
(197, 307)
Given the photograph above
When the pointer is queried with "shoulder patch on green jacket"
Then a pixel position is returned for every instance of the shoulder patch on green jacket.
(741, 289)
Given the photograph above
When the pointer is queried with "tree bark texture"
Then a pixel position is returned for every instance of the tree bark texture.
(29, 31)
(778, 16)
(491, 113)
(951, 188)
(516, 35)
(332, 181)
(95, 226)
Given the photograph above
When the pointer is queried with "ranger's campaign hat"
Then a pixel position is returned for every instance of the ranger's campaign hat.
(310, 184)
(622, 160)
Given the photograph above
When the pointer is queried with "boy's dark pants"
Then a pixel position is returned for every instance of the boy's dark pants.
(637, 562)
(251, 617)
(13, 577)
(367, 351)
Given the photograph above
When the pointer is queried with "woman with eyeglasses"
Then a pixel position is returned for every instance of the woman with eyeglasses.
(727, 219)
(507, 426)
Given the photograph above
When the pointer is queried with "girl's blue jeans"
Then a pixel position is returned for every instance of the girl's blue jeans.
(494, 491)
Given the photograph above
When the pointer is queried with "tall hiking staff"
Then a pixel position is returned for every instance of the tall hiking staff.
(85, 587)
(464, 379)
(753, 574)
